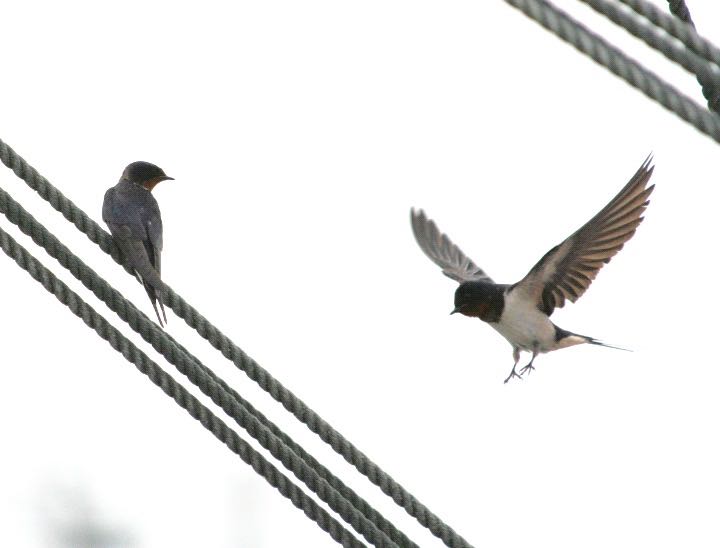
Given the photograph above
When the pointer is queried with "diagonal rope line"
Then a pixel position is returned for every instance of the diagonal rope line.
(607, 55)
(679, 27)
(353, 509)
(682, 27)
(688, 59)
(681, 12)
(680, 9)
(176, 391)
(233, 353)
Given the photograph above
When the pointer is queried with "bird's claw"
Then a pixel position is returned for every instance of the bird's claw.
(512, 374)
(529, 367)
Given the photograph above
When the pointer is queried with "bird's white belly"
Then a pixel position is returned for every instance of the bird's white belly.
(525, 326)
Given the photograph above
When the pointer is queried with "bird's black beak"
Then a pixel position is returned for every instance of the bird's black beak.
(166, 178)
(455, 310)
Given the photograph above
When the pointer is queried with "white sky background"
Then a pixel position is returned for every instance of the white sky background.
(300, 134)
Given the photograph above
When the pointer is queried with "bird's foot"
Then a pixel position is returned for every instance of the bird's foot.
(512, 374)
(529, 367)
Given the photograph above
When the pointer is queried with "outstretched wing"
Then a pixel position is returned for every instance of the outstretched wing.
(440, 249)
(567, 270)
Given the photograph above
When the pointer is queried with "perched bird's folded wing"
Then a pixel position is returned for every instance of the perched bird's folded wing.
(154, 241)
(567, 270)
(153, 246)
(136, 255)
(440, 249)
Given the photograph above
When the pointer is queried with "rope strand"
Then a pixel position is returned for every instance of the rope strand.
(353, 509)
(176, 391)
(241, 360)
(696, 58)
(685, 57)
(710, 92)
(603, 53)
(680, 9)
(679, 27)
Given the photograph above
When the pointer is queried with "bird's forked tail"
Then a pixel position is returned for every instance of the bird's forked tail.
(566, 338)
(590, 340)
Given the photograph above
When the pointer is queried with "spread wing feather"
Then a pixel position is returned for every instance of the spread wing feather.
(440, 249)
(568, 269)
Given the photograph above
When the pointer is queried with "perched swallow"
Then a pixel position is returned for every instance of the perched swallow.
(133, 216)
(521, 312)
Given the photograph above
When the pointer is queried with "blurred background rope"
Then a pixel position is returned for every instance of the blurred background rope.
(176, 391)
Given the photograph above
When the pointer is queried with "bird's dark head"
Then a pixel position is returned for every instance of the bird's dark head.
(474, 298)
(144, 174)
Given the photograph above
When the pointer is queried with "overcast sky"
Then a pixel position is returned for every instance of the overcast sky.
(299, 135)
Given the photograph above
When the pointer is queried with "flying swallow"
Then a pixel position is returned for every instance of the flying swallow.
(521, 312)
(133, 216)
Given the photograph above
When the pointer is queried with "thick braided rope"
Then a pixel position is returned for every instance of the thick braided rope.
(352, 508)
(603, 53)
(680, 9)
(689, 60)
(681, 28)
(176, 391)
(710, 91)
(233, 353)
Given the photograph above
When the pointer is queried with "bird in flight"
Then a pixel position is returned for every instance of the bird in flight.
(133, 216)
(521, 312)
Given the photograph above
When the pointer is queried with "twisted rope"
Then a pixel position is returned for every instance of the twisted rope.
(176, 391)
(603, 53)
(680, 9)
(352, 508)
(241, 360)
(689, 60)
(711, 92)
(680, 28)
